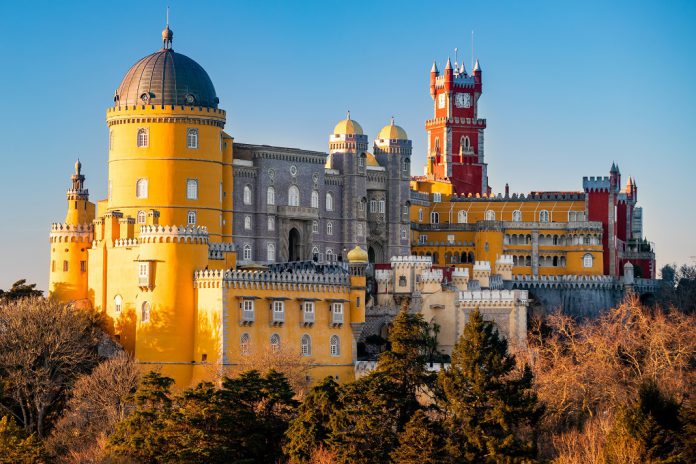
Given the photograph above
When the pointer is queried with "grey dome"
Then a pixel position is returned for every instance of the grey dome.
(166, 78)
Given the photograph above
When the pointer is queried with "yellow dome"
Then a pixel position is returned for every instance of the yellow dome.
(357, 255)
(371, 160)
(392, 132)
(348, 126)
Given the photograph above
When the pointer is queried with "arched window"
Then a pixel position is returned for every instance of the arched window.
(315, 227)
(587, 240)
(142, 217)
(587, 260)
(247, 222)
(270, 196)
(437, 145)
(191, 218)
(329, 201)
(118, 303)
(434, 218)
(315, 254)
(462, 217)
(543, 216)
(517, 215)
(329, 255)
(145, 312)
(270, 252)
(335, 345)
(275, 342)
(359, 229)
(247, 252)
(192, 138)
(465, 144)
(406, 168)
(142, 138)
(315, 199)
(490, 215)
(65, 266)
(329, 228)
(247, 195)
(293, 196)
(420, 215)
(244, 343)
(271, 223)
(141, 188)
(306, 344)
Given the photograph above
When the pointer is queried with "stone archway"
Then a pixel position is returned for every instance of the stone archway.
(294, 245)
(375, 253)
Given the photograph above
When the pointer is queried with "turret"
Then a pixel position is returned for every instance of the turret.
(615, 177)
(449, 75)
(433, 78)
(357, 263)
(477, 72)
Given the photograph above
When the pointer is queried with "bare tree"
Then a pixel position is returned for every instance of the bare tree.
(98, 401)
(44, 347)
(290, 363)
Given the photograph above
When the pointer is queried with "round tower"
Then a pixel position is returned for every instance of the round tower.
(167, 151)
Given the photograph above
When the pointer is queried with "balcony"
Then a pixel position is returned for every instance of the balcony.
(298, 212)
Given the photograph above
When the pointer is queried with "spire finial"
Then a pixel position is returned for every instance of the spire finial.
(78, 167)
(434, 68)
(392, 120)
(449, 64)
(348, 115)
(167, 34)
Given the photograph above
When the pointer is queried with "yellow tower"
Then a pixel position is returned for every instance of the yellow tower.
(70, 242)
(357, 263)
(167, 151)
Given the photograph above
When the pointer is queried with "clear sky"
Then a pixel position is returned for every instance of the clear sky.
(569, 87)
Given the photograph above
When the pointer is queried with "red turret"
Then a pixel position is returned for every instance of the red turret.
(433, 78)
(449, 74)
(477, 72)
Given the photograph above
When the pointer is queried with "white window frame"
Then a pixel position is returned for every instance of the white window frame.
(247, 196)
(141, 188)
(404, 233)
(118, 303)
(359, 231)
(329, 255)
(517, 216)
(270, 252)
(245, 344)
(141, 217)
(462, 217)
(437, 197)
(247, 254)
(191, 218)
(434, 217)
(544, 216)
(382, 205)
(143, 138)
(308, 311)
(373, 206)
(337, 313)
(278, 311)
(271, 223)
(335, 345)
(329, 228)
(422, 239)
(270, 196)
(587, 261)
(293, 196)
(145, 312)
(192, 138)
(247, 222)
(248, 310)
(315, 199)
(306, 345)
(144, 273)
(490, 215)
(420, 215)
(329, 201)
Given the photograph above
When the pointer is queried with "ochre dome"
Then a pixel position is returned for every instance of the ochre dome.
(392, 132)
(371, 160)
(348, 126)
(357, 255)
(166, 78)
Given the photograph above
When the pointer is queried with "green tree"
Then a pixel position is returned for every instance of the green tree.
(490, 412)
(19, 290)
(310, 428)
(16, 447)
(421, 442)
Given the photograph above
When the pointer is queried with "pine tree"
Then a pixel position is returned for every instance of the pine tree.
(421, 442)
(310, 429)
(488, 409)
(16, 447)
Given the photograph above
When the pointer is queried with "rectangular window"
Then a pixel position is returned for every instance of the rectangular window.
(423, 239)
(65, 266)
(437, 197)
(450, 239)
(192, 138)
(83, 266)
(404, 233)
(381, 206)
(373, 206)
(278, 311)
(248, 310)
(308, 312)
(271, 223)
(191, 189)
(144, 273)
(337, 313)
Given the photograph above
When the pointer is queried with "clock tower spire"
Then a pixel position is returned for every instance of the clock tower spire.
(455, 133)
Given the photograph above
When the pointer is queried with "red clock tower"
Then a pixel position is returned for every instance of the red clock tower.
(455, 134)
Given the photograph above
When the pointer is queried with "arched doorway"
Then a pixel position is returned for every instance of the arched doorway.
(294, 245)
(374, 253)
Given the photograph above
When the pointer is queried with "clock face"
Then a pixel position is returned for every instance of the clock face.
(462, 100)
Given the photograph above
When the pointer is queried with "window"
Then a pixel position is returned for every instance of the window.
(465, 144)
(271, 223)
(315, 227)
(329, 228)
(145, 312)
(315, 199)
(420, 215)
(361, 205)
(53, 266)
(437, 197)
(306, 344)
(293, 196)
(278, 311)
(83, 266)
(422, 239)
(275, 342)
(402, 281)
(587, 240)
(437, 144)
(434, 218)
(450, 239)
(308, 312)
(373, 206)
(141, 188)
(359, 229)
(244, 343)
(335, 345)
(381, 206)
(329, 255)
(144, 274)
(248, 310)
(247, 252)
(247, 222)
(270, 196)
(329, 201)
(118, 303)
(361, 161)
(142, 217)
(337, 313)
(315, 254)
(404, 233)
(270, 252)
(192, 138)
(142, 138)
(462, 217)
(587, 260)
(191, 189)
(65, 266)
(517, 215)
(191, 218)
(490, 215)
(543, 216)
(441, 100)
(406, 168)
(247, 195)
(404, 211)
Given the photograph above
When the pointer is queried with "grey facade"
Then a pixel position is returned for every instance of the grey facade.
(292, 204)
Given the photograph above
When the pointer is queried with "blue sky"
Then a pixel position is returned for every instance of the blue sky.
(569, 87)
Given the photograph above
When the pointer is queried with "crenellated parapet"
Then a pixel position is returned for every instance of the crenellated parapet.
(567, 282)
(266, 280)
(64, 233)
(217, 250)
(173, 234)
(596, 184)
(488, 298)
(407, 261)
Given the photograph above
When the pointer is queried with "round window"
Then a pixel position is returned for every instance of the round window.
(190, 98)
(293, 170)
(271, 174)
(145, 97)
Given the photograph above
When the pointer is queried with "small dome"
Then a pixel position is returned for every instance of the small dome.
(357, 255)
(392, 132)
(348, 126)
(371, 160)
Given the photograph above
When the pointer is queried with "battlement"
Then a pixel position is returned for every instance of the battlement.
(64, 233)
(397, 261)
(217, 250)
(176, 234)
(383, 275)
(460, 272)
(598, 183)
(482, 266)
(566, 281)
(493, 296)
(262, 279)
(478, 122)
(430, 276)
(504, 260)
